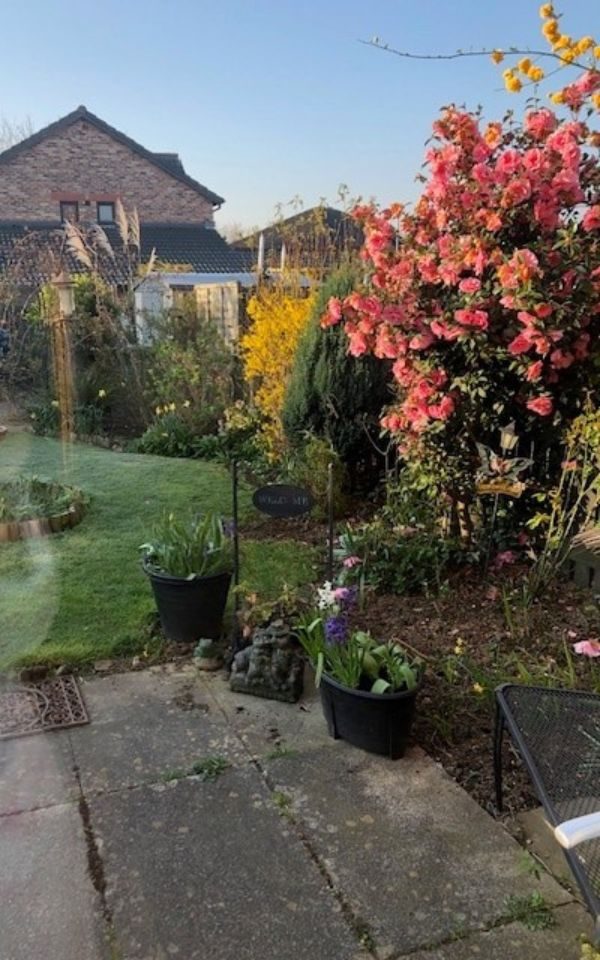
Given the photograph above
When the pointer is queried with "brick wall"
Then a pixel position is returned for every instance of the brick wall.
(83, 163)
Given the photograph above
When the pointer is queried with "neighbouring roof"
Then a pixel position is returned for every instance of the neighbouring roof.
(37, 250)
(334, 224)
(168, 162)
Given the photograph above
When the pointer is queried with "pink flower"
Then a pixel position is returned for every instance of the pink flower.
(472, 318)
(520, 344)
(508, 163)
(421, 341)
(589, 648)
(591, 220)
(493, 222)
(469, 285)
(561, 360)
(334, 313)
(540, 123)
(541, 405)
(350, 562)
(516, 192)
(533, 160)
(534, 371)
(442, 410)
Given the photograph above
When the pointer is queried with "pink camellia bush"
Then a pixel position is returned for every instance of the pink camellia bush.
(487, 295)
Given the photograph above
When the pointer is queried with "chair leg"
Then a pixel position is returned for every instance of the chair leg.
(498, 736)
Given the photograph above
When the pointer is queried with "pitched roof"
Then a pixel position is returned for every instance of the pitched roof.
(167, 162)
(335, 223)
(37, 250)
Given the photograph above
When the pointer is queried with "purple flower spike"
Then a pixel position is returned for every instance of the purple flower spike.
(336, 630)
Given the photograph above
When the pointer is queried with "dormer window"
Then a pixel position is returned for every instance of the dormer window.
(106, 212)
(69, 210)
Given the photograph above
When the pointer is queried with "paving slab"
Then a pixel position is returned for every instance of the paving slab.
(211, 870)
(144, 725)
(48, 906)
(515, 942)
(265, 725)
(36, 771)
(410, 850)
(531, 828)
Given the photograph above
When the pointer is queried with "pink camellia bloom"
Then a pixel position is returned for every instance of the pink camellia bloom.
(589, 648)
(516, 192)
(350, 562)
(540, 405)
(520, 344)
(472, 318)
(508, 163)
(534, 371)
(469, 285)
(591, 220)
(540, 123)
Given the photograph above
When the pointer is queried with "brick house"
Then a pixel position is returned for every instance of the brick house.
(78, 167)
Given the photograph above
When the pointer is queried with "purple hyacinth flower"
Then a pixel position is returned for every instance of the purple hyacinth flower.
(336, 630)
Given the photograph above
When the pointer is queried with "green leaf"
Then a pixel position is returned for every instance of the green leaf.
(319, 670)
(381, 686)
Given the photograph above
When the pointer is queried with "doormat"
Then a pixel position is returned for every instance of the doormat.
(36, 707)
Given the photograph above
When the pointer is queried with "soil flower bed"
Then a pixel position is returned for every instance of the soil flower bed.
(30, 507)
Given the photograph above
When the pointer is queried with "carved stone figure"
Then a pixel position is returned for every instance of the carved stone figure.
(271, 666)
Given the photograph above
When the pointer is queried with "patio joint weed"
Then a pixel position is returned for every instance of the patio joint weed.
(208, 770)
(532, 911)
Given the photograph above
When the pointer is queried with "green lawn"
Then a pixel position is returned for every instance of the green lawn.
(81, 595)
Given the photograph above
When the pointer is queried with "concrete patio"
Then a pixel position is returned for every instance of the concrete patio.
(301, 848)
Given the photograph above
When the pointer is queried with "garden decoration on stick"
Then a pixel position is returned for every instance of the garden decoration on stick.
(269, 666)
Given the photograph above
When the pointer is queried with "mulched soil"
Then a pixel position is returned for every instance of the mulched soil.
(454, 720)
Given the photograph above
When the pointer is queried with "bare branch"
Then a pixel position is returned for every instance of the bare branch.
(458, 54)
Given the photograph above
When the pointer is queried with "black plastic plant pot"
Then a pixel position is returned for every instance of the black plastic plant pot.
(190, 609)
(376, 722)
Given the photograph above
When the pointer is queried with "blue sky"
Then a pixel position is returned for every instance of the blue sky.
(268, 99)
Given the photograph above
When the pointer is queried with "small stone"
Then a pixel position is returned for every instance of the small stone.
(103, 666)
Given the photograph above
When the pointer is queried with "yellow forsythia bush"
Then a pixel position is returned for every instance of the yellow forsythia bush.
(268, 348)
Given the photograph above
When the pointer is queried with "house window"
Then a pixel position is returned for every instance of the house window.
(106, 212)
(69, 210)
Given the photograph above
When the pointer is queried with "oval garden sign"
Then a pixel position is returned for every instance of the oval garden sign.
(282, 500)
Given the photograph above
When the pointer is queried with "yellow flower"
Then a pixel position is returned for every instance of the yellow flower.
(546, 10)
(524, 65)
(158, 411)
(563, 42)
(55, 403)
(497, 56)
(536, 74)
(101, 393)
(550, 30)
(187, 403)
(172, 407)
(477, 688)
(583, 45)
(567, 56)
(513, 84)
(596, 52)
(557, 97)
(596, 100)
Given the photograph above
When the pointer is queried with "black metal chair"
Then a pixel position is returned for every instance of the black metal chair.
(557, 734)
